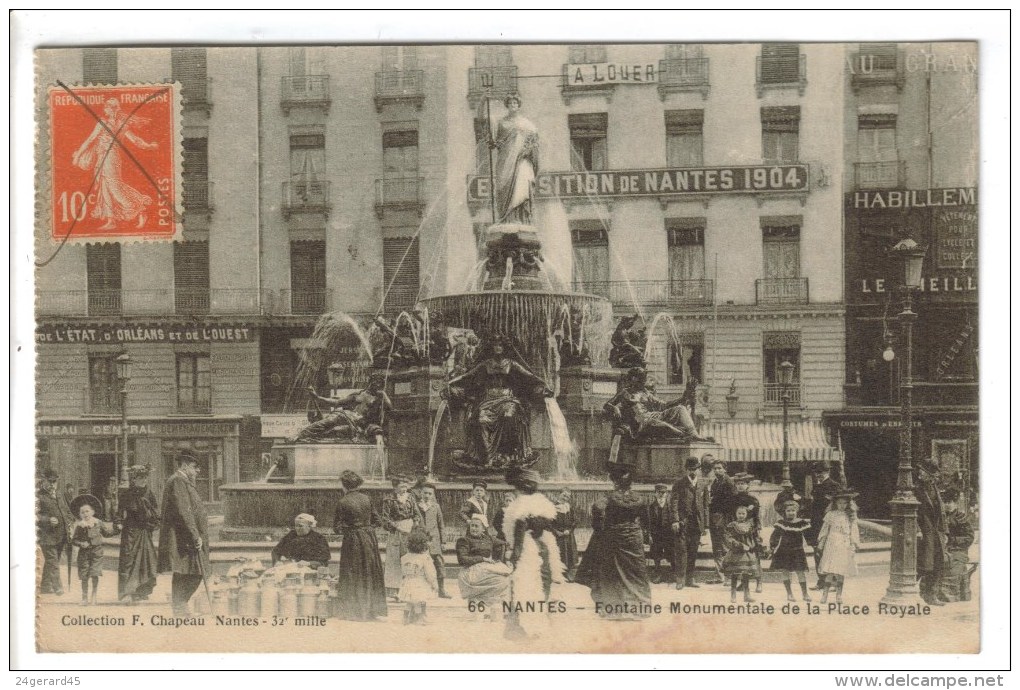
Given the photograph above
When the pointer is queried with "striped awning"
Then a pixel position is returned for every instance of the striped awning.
(763, 441)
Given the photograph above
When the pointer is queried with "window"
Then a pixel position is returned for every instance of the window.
(104, 388)
(400, 166)
(686, 359)
(591, 255)
(194, 383)
(196, 173)
(586, 54)
(399, 58)
(307, 158)
(588, 149)
(188, 66)
(191, 277)
(779, 347)
(308, 276)
(684, 51)
(400, 272)
(103, 280)
(686, 238)
(876, 138)
(684, 139)
(781, 238)
(99, 66)
(780, 131)
(877, 57)
(780, 63)
(493, 56)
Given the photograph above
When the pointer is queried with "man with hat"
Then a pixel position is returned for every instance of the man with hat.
(184, 534)
(720, 495)
(658, 532)
(931, 520)
(53, 516)
(138, 514)
(705, 477)
(822, 493)
(477, 503)
(742, 498)
(686, 525)
(955, 585)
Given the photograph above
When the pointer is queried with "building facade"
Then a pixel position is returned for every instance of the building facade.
(910, 129)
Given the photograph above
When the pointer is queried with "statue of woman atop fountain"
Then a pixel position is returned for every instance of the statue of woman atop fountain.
(516, 164)
(499, 421)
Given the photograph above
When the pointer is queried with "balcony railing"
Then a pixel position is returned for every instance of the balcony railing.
(876, 69)
(400, 86)
(194, 406)
(774, 393)
(191, 301)
(880, 175)
(105, 401)
(61, 303)
(400, 298)
(569, 89)
(662, 293)
(310, 91)
(689, 74)
(306, 196)
(497, 82)
(395, 193)
(198, 195)
(148, 302)
(105, 302)
(197, 93)
(781, 291)
(780, 73)
(297, 302)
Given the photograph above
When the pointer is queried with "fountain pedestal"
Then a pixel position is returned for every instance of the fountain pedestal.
(664, 461)
(317, 462)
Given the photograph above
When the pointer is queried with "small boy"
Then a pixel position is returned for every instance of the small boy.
(955, 585)
(87, 534)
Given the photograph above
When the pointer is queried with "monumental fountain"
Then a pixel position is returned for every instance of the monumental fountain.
(515, 370)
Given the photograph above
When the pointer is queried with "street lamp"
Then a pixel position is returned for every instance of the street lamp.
(785, 379)
(903, 559)
(123, 376)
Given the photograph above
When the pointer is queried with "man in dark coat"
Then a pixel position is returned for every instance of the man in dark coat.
(432, 523)
(184, 534)
(686, 525)
(825, 487)
(52, 520)
(720, 494)
(931, 520)
(658, 533)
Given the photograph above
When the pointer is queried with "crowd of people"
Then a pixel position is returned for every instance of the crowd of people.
(510, 556)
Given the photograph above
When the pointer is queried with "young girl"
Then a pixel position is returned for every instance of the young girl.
(419, 583)
(838, 539)
(788, 554)
(87, 534)
(741, 559)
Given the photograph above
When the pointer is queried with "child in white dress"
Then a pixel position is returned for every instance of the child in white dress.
(419, 583)
(838, 540)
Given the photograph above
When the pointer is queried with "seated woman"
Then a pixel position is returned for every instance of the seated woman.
(303, 543)
(483, 576)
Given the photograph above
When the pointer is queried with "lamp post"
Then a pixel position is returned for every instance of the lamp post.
(123, 376)
(903, 558)
(785, 379)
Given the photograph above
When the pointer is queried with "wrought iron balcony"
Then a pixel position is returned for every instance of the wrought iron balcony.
(197, 94)
(781, 291)
(662, 293)
(496, 82)
(62, 303)
(301, 196)
(877, 68)
(689, 74)
(399, 193)
(194, 406)
(105, 302)
(400, 86)
(880, 175)
(400, 298)
(303, 301)
(309, 91)
(774, 393)
(780, 73)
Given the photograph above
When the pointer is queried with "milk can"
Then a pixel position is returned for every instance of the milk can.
(248, 598)
(322, 602)
(308, 594)
(270, 600)
(289, 595)
(221, 602)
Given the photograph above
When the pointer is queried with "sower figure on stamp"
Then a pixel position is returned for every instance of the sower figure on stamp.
(184, 534)
(659, 535)
(686, 523)
(53, 519)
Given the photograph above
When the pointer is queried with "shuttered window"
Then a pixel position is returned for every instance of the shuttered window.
(400, 166)
(781, 240)
(686, 357)
(780, 63)
(308, 276)
(876, 138)
(188, 66)
(196, 172)
(397, 58)
(194, 383)
(780, 134)
(401, 278)
(585, 54)
(686, 237)
(591, 255)
(588, 141)
(103, 279)
(684, 139)
(878, 56)
(104, 390)
(191, 277)
(684, 51)
(99, 65)
(493, 56)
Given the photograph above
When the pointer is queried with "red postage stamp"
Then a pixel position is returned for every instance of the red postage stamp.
(115, 162)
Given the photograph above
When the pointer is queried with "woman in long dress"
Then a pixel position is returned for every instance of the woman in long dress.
(483, 576)
(116, 200)
(400, 515)
(614, 563)
(362, 592)
(516, 164)
(138, 514)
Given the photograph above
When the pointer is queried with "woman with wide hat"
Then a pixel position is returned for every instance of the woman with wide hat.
(361, 589)
(614, 566)
(138, 515)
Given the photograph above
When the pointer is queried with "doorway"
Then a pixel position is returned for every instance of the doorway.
(102, 467)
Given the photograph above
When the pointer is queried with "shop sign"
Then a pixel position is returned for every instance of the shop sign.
(603, 73)
(144, 333)
(145, 429)
(659, 182)
(956, 234)
(915, 198)
(283, 425)
(874, 424)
